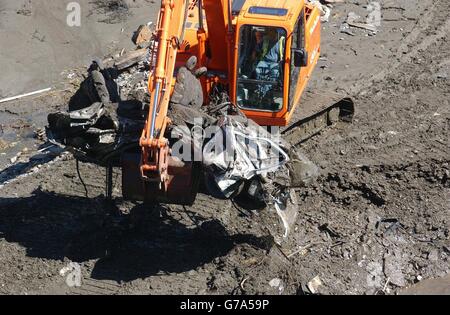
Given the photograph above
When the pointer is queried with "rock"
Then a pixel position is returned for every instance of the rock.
(3, 144)
(302, 171)
(433, 255)
(142, 36)
(188, 90)
(15, 158)
(375, 275)
(314, 285)
(275, 283)
(392, 270)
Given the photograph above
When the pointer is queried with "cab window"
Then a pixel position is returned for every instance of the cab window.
(298, 42)
(262, 51)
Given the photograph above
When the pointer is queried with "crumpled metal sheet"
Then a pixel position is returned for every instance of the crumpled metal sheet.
(238, 152)
(87, 116)
(286, 206)
(242, 151)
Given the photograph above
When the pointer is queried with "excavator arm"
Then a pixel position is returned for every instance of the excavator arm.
(171, 26)
(155, 147)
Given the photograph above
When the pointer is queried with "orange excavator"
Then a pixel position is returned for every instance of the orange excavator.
(261, 53)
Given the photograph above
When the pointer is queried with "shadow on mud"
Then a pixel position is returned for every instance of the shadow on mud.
(147, 242)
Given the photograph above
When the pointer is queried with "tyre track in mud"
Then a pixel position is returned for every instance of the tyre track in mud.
(390, 166)
(434, 22)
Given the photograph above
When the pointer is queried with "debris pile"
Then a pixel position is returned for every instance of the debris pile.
(107, 115)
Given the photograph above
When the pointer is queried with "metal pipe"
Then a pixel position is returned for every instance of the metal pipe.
(230, 19)
(154, 110)
(200, 15)
(163, 40)
(24, 95)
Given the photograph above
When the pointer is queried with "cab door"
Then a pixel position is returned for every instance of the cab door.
(296, 72)
(305, 39)
(312, 38)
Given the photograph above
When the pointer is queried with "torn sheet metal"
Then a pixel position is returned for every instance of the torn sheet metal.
(241, 151)
(237, 153)
(286, 206)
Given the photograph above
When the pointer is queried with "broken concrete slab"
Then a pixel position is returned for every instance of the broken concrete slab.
(142, 36)
(131, 58)
(314, 285)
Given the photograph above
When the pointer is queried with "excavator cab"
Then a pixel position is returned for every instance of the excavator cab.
(277, 50)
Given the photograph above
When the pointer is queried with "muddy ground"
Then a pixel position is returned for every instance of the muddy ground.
(37, 44)
(376, 221)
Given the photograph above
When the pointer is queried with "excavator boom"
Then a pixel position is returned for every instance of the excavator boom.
(154, 145)
(171, 31)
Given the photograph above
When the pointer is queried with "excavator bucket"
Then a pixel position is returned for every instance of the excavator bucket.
(181, 189)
